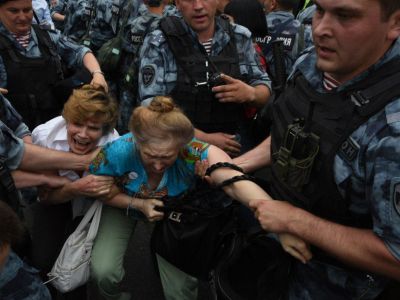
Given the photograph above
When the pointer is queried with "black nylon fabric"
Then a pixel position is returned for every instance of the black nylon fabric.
(335, 117)
(33, 99)
(195, 66)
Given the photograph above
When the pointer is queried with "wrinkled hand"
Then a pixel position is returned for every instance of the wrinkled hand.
(274, 216)
(98, 79)
(3, 91)
(148, 208)
(93, 186)
(295, 246)
(225, 142)
(234, 90)
(114, 190)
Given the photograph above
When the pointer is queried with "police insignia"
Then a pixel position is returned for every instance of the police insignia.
(148, 74)
(349, 149)
(396, 198)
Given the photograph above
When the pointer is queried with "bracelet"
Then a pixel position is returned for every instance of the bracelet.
(130, 206)
(236, 178)
(213, 167)
(97, 71)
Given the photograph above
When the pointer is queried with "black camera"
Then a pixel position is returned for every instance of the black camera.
(215, 80)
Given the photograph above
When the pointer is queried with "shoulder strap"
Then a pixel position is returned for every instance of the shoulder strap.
(179, 40)
(44, 39)
(301, 42)
(6, 45)
(381, 89)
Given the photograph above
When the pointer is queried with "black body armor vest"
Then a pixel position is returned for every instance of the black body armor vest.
(195, 69)
(332, 117)
(30, 81)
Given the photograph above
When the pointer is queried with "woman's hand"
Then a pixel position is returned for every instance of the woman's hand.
(148, 208)
(93, 186)
(98, 79)
(295, 246)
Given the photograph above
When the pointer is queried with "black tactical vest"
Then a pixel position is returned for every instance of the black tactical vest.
(333, 117)
(195, 68)
(30, 80)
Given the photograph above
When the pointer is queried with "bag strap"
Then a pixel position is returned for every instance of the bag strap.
(44, 39)
(94, 215)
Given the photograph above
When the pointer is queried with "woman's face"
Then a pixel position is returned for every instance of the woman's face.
(157, 157)
(84, 137)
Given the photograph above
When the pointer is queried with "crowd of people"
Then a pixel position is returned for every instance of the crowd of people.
(138, 102)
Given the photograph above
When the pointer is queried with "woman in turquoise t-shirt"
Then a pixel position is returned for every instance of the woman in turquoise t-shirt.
(156, 159)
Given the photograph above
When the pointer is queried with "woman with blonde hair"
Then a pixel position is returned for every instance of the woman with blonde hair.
(87, 121)
(156, 159)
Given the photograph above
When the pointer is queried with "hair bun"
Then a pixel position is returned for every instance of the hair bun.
(162, 104)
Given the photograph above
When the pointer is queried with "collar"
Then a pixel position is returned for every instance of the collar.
(306, 65)
(33, 39)
(280, 14)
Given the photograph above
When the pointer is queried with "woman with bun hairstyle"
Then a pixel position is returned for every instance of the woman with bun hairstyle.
(156, 159)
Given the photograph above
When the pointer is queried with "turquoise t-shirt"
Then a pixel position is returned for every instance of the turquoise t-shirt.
(121, 159)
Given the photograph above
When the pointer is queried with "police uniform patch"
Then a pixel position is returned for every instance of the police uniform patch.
(396, 198)
(349, 149)
(148, 74)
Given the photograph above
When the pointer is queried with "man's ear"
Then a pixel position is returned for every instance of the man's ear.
(274, 4)
(394, 23)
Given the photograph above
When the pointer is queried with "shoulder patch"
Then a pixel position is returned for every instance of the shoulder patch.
(156, 37)
(396, 198)
(349, 149)
(148, 74)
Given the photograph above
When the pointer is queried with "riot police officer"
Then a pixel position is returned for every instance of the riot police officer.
(332, 150)
(211, 71)
(150, 14)
(30, 62)
(282, 26)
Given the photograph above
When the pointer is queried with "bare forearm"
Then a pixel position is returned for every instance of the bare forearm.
(23, 179)
(358, 247)
(60, 195)
(37, 158)
(58, 17)
(261, 96)
(90, 62)
(256, 158)
(245, 191)
(123, 201)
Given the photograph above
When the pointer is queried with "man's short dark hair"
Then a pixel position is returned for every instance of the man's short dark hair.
(11, 229)
(389, 7)
(4, 1)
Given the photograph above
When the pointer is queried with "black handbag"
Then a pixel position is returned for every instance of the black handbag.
(253, 267)
(195, 226)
